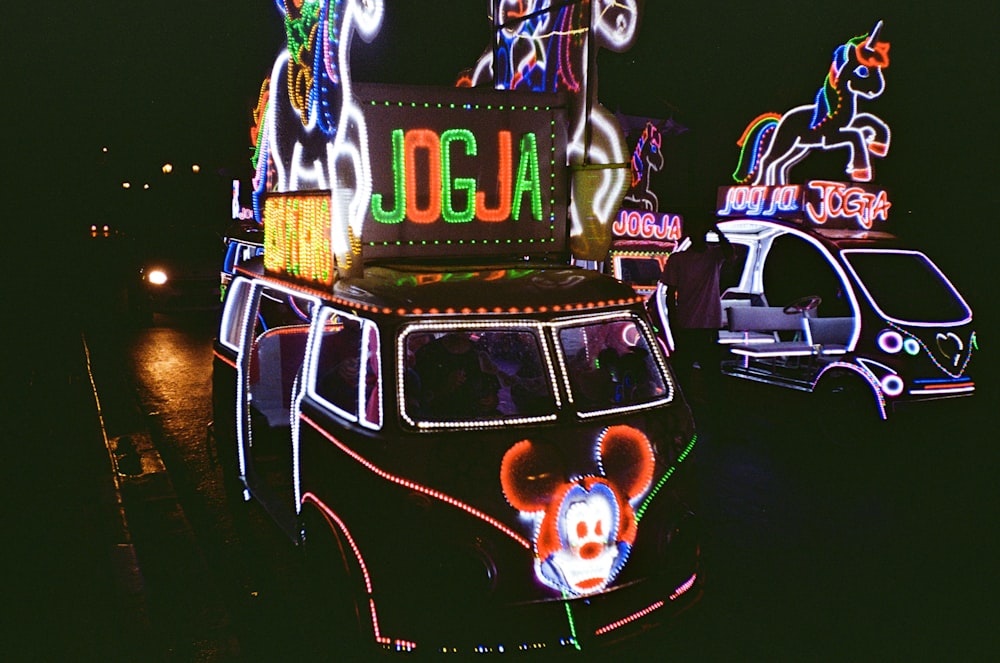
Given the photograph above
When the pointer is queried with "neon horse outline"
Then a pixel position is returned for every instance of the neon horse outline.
(544, 46)
(647, 158)
(773, 143)
(314, 132)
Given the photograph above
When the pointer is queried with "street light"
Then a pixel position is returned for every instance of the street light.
(167, 168)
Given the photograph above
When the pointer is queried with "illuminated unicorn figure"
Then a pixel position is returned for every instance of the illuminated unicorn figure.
(543, 45)
(773, 143)
(647, 158)
(315, 136)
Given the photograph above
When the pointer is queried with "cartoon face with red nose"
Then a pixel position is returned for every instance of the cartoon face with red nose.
(585, 526)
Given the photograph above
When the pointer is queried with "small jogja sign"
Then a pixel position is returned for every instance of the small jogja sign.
(821, 203)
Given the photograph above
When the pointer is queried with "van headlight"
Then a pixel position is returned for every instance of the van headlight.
(156, 276)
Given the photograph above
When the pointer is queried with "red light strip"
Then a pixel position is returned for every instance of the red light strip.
(631, 618)
(333, 519)
(684, 587)
(482, 310)
(681, 589)
(946, 385)
(417, 487)
(224, 359)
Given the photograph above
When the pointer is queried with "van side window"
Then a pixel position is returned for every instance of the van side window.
(237, 305)
(276, 354)
(348, 374)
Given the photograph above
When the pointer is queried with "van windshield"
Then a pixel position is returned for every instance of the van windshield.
(483, 375)
(906, 286)
(610, 365)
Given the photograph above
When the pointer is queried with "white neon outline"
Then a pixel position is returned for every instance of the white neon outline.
(244, 433)
(654, 348)
(944, 279)
(959, 370)
(923, 391)
(233, 301)
(346, 163)
(241, 410)
(535, 327)
(596, 138)
(777, 352)
(893, 385)
(863, 126)
(298, 174)
(883, 341)
(776, 230)
(865, 373)
(327, 314)
(348, 156)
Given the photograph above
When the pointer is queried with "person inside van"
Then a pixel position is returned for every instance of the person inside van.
(452, 380)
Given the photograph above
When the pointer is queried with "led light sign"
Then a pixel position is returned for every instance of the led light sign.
(835, 205)
(766, 201)
(585, 527)
(635, 224)
(837, 200)
(442, 188)
(297, 236)
(466, 172)
(772, 143)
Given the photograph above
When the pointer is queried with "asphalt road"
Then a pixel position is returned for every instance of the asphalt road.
(816, 545)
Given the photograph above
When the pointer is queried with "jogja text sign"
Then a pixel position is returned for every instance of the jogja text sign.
(464, 172)
(818, 202)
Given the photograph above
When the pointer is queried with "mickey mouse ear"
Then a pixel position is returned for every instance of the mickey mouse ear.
(530, 474)
(627, 460)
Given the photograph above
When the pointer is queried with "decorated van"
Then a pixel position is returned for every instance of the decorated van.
(479, 447)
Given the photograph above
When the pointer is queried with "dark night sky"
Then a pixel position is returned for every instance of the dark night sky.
(164, 81)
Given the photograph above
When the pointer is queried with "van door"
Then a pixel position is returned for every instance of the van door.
(272, 364)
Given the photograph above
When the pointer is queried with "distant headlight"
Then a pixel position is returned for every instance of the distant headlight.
(157, 277)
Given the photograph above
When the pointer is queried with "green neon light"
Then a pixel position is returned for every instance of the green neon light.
(528, 178)
(572, 624)
(666, 477)
(467, 184)
(398, 185)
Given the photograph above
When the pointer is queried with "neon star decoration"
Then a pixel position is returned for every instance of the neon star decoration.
(584, 526)
(773, 143)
